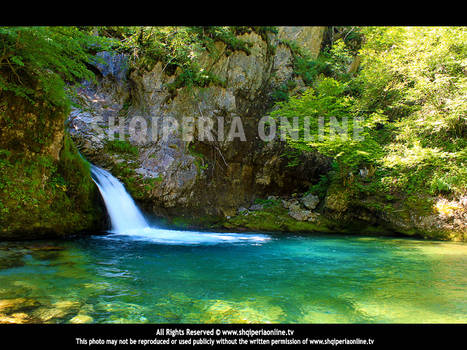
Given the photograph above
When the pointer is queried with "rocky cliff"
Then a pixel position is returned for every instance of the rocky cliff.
(46, 189)
(206, 179)
(240, 183)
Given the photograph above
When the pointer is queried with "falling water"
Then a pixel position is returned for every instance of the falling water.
(124, 214)
(127, 219)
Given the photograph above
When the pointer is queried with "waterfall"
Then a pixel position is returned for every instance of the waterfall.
(124, 214)
(127, 219)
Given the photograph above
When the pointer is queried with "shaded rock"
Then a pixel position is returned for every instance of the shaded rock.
(300, 214)
(115, 65)
(313, 217)
(310, 201)
(364, 172)
(33, 133)
(290, 203)
(256, 207)
(337, 201)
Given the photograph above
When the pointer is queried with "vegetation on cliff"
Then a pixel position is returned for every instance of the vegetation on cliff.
(45, 185)
(41, 196)
(410, 95)
(49, 57)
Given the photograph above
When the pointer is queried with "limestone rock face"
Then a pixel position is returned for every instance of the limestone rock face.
(170, 175)
(309, 37)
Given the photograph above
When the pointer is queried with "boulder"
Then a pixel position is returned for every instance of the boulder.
(310, 201)
(300, 214)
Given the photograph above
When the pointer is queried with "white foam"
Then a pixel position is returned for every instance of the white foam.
(127, 220)
(164, 236)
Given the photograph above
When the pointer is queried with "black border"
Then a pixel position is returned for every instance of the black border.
(384, 335)
(387, 335)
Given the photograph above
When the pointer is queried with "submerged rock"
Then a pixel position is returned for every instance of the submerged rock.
(246, 311)
(18, 304)
(10, 260)
(81, 319)
(47, 248)
(16, 318)
(58, 310)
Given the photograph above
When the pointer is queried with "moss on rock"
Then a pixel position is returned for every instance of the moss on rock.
(275, 218)
(45, 185)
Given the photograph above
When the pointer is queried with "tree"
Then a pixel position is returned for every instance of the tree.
(46, 58)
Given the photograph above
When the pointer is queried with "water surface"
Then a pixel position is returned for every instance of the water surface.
(240, 278)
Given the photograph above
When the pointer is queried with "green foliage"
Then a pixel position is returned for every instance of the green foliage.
(282, 92)
(194, 77)
(327, 109)
(292, 154)
(352, 37)
(74, 169)
(321, 187)
(137, 185)
(333, 61)
(267, 203)
(417, 76)
(409, 91)
(228, 35)
(50, 56)
(181, 48)
(121, 147)
(48, 195)
(200, 159)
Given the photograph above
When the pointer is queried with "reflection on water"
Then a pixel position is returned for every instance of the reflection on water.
(246, 278)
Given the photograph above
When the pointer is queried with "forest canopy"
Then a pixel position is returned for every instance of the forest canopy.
(410, 89)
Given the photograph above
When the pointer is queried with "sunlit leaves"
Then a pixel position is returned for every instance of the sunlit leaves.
(51, 56)
(411, 91)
